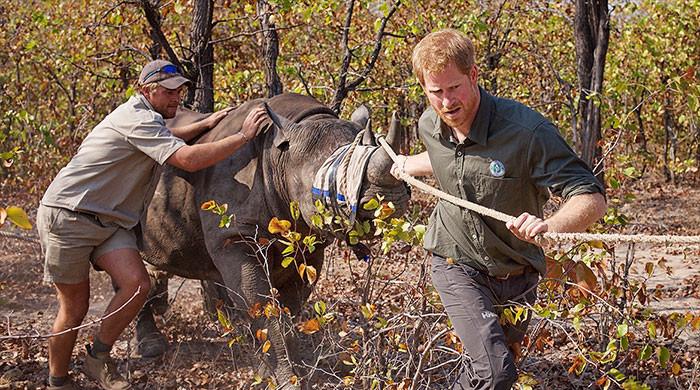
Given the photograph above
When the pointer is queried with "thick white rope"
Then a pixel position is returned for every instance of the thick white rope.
(19, 237)
(572, 237)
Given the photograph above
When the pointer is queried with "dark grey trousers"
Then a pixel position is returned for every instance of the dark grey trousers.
(474, 302)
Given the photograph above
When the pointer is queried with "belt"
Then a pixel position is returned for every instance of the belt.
(84, 214)
(518, 272)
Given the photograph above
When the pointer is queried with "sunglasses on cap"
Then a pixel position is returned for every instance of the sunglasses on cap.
(167, 69)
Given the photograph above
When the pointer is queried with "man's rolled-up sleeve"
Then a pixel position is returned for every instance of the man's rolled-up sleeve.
(155, 140)
(554, 165)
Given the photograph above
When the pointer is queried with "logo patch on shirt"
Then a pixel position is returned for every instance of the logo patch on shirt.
(497, 168)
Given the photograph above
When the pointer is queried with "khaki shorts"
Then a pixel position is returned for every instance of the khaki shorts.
(71, 241)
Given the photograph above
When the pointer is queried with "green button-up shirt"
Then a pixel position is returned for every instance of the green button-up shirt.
(511, 160)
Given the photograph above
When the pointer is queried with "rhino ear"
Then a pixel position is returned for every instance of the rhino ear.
(279, 123)
(360, 116)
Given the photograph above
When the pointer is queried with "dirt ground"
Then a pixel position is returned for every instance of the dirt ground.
(199, 356)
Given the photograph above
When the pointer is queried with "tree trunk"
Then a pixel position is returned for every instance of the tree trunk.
(641, 137)
(270, 49)
(669, 139)
(202, 70)
(591, 32)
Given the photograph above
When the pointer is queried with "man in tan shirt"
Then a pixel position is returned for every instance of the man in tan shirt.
(89, 214)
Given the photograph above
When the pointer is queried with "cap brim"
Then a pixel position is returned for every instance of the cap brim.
(173, 82)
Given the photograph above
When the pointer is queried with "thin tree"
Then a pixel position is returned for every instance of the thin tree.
(197, 62)
(591, 33)
(270, 48)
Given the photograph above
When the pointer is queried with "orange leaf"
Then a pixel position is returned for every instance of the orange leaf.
(601, 381)
(301, 269)
(255, 310)
(578, 363)
(208, 205)
(261, 334)
(555, 273)
(582, 276)
(310, 327)
(279, 225)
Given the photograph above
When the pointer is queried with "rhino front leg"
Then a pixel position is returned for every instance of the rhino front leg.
(249, 289)
(149, 341)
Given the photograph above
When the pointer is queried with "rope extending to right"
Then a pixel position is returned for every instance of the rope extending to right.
(19, 237)
(559, 237)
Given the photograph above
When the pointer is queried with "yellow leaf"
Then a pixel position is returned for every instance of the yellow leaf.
(676, 369)
(266, 346)
(596, 244)
(294, 380)
(301, 269)
(278, 225)
(271, 310)
(18, 217)
(208, 205)
(310, 327)
(261, 335)
(311, 273)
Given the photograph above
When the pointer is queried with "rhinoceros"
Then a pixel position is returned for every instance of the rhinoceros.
(258, 182)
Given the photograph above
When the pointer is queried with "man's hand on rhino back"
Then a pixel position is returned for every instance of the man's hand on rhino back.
(252, 123)
(215, 118)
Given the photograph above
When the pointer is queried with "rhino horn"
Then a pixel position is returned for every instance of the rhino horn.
(368, 136)
(360, 116)
(393, 137)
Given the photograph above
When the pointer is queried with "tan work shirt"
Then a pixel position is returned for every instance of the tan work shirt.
(115, 171)
(510, 161)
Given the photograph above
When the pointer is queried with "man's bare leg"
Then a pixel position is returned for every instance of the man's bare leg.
(128, 274)
(73, 304)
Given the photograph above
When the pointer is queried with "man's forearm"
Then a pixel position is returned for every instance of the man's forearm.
(190, 131)
(578, 213)
(192, 158)
(418, 165)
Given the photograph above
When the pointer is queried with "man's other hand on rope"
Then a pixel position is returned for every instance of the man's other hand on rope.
(575, 215)
(415, 165)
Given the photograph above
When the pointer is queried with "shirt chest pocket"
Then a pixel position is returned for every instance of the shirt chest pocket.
(496, 186)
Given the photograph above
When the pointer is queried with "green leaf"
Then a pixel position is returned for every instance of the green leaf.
(622, 329)
(289, 249)
(371, 205)
(286, 261)
(223, 320)
(294, 209)
(663, 355)
(31, 45)
(624, 343)
(646, 353)
(320, 308)
(616, 374)
(651, 328)
(317, 221)
(576, 322)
